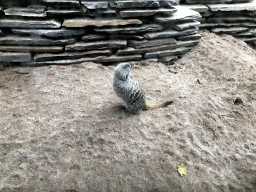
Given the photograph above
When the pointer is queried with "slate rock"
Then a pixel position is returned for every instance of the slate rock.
(178, 51)
(146, 12)
(145, 3)
(199, 7)
(83, 22)
(130, 51)
(62, 62)
(15, 57)
(111, 44)
(103, 13)
(233, 7)
(131, 30)
(116, 58)
(207, 1)
(62, 3)
(228, 25)
(229, 30)
(18, 23)
(25, 12)
(171, 33)
(17, 40)
(189, 37)
(182, 15)
(68, 56)
(51, 33)
(63, 12)
(185, 26)
(151, 43)
(95, 4)
(230, 19)
(31, 48)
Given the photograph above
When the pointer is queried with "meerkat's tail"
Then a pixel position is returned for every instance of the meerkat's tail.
(157, 105)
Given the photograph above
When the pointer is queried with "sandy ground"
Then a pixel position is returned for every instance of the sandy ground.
(63, 129)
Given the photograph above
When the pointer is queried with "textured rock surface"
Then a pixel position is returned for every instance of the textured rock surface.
(182, 15)
(178, 51)
(97, 45)
(131, 30)
(146, 12)
(145, 3)
(171, 33)
(102, 28)
(50, 33)
(99, 23)
(233, 7)
(25, 12)
(15, 57)
(30, 48)
(95, 4)
(17, 40)
(17, 23)
(77, 55)
(151, 43)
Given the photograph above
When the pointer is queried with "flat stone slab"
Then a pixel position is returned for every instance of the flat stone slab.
(228, 25)
(189, 37)
(111, 44)
(146, 12)
(116, 58)
(207, 1)
(62, 3)
(15, 57)
(199, 7)
(16, 23)
(182, 15)
(25, 12)
(68, 56)
(95, 4)
(130, 51)
(185, 26)
(63, 12)
(229, 30)
(51, 33)
(99, 23)
(151, 43)
(230, 19)
(17, 40)
(131, 30)
(63, 62)
(233, 7)
(52, 49)
(178, 51)
(145, 3)
(171, 33)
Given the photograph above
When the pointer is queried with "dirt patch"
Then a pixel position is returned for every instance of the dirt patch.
(63, 129)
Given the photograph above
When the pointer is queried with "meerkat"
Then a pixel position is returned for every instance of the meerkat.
(130, 91)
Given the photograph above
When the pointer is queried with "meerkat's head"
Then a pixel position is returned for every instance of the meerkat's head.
(123, 71)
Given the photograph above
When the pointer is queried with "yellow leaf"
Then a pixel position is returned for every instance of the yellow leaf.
(182, 170)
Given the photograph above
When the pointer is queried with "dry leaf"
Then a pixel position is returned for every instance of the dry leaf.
(182, 170)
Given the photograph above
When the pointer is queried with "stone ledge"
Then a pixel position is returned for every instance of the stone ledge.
(68, 56)
(51, 33)
(131, 30)
(15, 23)
(15, 57)
(16, 40)
(111, 44)
(83, 22)
(233, 7)
(178, 51)
(34, 49)
(146, 12)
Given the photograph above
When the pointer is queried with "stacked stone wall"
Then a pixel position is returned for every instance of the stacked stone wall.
(45, 32)
(237, 19)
